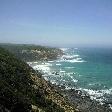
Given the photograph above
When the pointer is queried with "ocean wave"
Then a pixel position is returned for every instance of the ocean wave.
(58, 64)
(77, 60)
(71, 58)
(53, 82)
(74, 80)
(46, 64)
(29, 63)
(68, 88)
(32, 63)
(62, 71)
(50, 61)
(69, 67)
(64, 49)
(43, 68)
(46, 78)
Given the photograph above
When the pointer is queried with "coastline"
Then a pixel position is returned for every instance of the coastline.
(22, 89)
(78, 98)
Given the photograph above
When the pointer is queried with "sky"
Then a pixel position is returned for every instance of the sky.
(62, 23)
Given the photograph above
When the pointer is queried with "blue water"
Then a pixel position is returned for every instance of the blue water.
(95, 69)
(88, 69)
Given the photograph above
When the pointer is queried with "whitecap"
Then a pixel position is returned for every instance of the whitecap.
(73, 61)
(74, 80)
(68, 88)
(29, 63)
(54, 82)
(70, 73)
(69, 67)
(64, 49)
(50, 61)
(69, 56)
(97, 95)
(43, 68)
(110, 106)
(76, 61)
(58, 64)
(35, 62)
(62, 71)
(46, 78)
(47, 64)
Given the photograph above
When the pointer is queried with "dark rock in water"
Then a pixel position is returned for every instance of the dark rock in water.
(53, 72)
(69, 84)
(108, 100)
(62, 87)
(56, 73)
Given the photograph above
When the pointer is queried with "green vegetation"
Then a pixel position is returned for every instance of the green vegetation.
(24, 90)
(32, 52)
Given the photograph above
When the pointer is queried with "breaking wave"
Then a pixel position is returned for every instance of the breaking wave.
(71, 58)
(64, 74)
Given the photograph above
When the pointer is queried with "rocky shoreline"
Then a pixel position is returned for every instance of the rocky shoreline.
(78, 99)
(81, 100)
(84, 103)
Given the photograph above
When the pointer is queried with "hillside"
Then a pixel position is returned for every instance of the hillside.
(29, 52)
(24, 90)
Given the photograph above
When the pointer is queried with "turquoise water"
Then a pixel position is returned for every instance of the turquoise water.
(88, 69)
(93, 71)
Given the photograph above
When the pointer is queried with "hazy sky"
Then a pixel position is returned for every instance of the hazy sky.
(56, 22)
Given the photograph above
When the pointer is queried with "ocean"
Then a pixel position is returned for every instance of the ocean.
(86, 69)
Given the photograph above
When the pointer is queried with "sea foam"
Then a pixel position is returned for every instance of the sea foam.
(98, 95)
(64, 49)
(71, 58)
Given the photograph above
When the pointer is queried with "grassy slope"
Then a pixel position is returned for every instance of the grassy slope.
(21, 88)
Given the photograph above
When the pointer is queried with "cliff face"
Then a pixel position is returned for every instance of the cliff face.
(24, 90)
